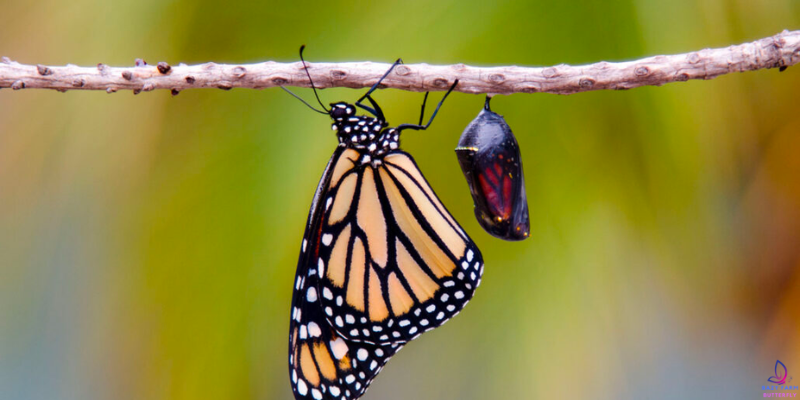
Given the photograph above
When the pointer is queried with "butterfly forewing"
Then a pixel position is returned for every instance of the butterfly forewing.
(323, 364)
(395, 262)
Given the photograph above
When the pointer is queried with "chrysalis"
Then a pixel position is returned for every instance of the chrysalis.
(489, 157)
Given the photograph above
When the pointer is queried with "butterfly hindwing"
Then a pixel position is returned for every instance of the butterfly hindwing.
(394, 262)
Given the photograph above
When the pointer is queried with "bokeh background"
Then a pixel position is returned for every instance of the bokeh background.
(148, 243)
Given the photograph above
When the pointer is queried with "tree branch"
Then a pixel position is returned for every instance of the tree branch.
(781, 50)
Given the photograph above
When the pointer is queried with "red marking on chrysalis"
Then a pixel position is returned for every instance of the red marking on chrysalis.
(507, 195)
(492, 177)
(491, 196)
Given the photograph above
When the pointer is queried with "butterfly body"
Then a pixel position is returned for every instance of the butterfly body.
(381, 262)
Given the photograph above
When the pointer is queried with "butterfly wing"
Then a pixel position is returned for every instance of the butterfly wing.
(394, 263)
(322, 364)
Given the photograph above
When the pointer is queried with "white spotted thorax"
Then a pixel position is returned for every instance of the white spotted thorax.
(366, 134)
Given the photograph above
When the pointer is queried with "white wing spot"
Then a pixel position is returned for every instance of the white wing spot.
(431, 308)
(459, 295)
(326, 293)
(339, 348)
(302, 388)
(339, 300)
(327, 239)
(449, 284)
(303, 332)
(354, 332)
(362, 354)
(424, 322)
(379, 352)
(321, 267)
(469, 255)
(440, 316)
(313, 329)
(445, 297)
(350, 379)
(350, 319)
(404, 322)
(311, 295)
(335, 392)
(373, 365)
(339, 322)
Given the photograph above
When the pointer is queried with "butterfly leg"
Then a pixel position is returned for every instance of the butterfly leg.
(420, 127)
(377, 111)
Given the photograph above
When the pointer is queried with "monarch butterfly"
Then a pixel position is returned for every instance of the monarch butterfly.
(381, 261)
(489, 157)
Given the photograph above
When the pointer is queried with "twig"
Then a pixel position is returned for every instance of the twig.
(781, 50)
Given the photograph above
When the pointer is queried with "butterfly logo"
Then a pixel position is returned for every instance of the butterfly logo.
(780, 374)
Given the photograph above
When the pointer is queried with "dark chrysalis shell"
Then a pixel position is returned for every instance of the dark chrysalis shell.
(489, 157)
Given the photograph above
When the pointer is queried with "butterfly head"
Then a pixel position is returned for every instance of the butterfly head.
(366, 134)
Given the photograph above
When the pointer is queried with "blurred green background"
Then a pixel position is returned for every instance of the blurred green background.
(148, 243)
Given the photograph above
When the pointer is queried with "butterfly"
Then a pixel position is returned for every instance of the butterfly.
(381, 262)
(489, 157)
(780, 373)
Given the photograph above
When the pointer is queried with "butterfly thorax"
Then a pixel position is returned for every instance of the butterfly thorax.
(370, 136)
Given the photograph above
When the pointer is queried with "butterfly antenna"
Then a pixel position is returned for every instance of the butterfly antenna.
(309, 79)
(304, 102)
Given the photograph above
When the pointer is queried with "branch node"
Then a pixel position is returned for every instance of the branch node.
(682, 77)
(43, 70)
(139, 63)
(441, 82)
(190, 80)
(175, 92)
(403, 70)
(127, 75)
(111, 89)
(17, 85)
(586, 83)
(642, 71)
(239, 72)
(148, 87)
(5, 60)
(497, 78)
(550, 73)
(79, 82)
(163, 67)
(337, 74)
